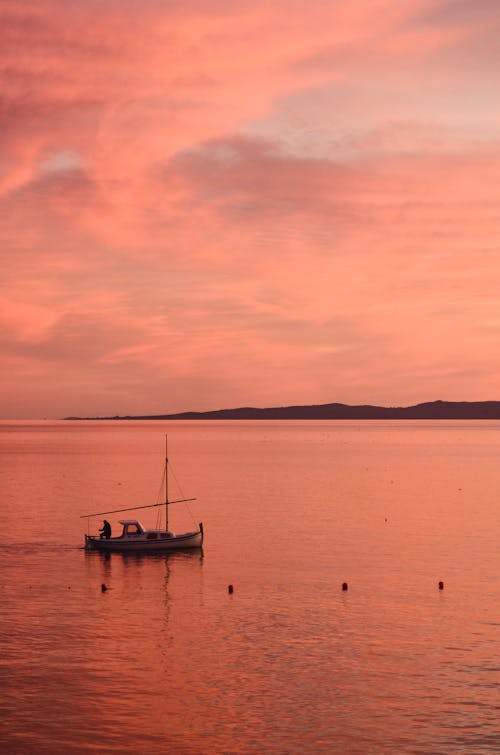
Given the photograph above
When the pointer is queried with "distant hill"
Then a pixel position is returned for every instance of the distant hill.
(429, 410)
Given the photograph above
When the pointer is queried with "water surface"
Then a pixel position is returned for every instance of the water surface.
(166, 660)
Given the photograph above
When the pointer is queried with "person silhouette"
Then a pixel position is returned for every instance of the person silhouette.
(105, 530)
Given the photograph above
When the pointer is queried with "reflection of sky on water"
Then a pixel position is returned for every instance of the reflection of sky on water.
(288, 662)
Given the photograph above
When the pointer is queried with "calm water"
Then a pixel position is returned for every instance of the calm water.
(167, 661)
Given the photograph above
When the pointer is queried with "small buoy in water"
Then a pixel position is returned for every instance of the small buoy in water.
(344, 586)
(230, 589)
(103, 587)
(441, 585)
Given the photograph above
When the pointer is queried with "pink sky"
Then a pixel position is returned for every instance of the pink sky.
(214, 203)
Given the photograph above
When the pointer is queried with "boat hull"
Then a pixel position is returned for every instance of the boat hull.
(138, 545)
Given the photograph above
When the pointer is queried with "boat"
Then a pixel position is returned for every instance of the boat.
(135, 538)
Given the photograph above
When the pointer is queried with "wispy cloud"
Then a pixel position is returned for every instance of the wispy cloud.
(206, 204)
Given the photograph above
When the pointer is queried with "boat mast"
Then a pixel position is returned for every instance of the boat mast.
(166, 484)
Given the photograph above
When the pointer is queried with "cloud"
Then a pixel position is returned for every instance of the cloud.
(213, 203)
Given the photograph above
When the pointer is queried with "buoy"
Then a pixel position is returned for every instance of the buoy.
(230, 589)
(344, 586)
(103, 587)
(441, 585)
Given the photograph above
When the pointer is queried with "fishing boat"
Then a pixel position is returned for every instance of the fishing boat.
(135, 538)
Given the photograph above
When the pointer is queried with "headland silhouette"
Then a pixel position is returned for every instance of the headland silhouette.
(437, 410)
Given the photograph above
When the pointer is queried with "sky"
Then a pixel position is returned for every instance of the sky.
(209, 204)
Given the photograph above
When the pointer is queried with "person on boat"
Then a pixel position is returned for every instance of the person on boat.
(105, 530)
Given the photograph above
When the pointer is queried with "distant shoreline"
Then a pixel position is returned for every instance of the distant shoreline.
(430, 410)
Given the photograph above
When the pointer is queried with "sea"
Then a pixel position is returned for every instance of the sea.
(337, 636)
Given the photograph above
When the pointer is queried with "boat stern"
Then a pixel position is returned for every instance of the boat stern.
(90, 541)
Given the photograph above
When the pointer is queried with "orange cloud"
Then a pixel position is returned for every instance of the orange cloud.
(206, 204)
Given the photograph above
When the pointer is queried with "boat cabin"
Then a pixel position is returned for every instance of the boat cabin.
(132, 528)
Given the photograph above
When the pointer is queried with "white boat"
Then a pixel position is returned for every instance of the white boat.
(135, 538)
